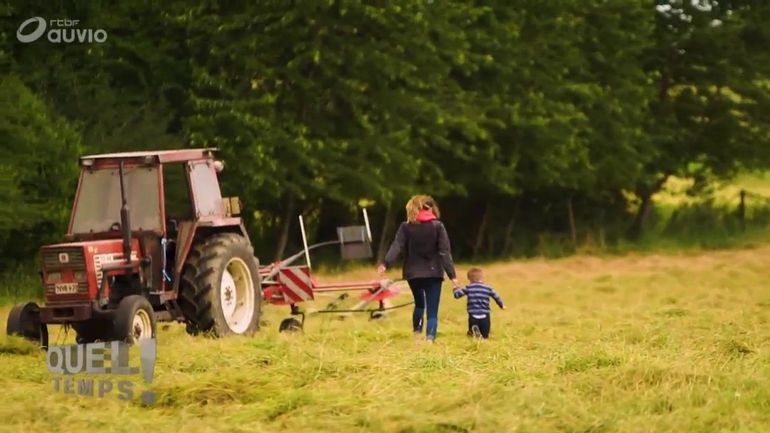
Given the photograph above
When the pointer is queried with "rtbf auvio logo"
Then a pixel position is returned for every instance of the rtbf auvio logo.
(58, 31)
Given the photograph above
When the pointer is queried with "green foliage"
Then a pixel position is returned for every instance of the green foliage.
(37, 178)
(703, 121)
(528, 120)
(353, 106)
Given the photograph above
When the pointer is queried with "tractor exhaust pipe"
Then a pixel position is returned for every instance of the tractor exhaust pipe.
(125, 217)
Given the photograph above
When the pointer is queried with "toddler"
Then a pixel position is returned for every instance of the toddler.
(478, 293)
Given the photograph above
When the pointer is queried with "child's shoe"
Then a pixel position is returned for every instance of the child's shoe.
(476, 331)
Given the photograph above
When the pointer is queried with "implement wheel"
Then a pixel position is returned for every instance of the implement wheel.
(290, 325)
(24, 321)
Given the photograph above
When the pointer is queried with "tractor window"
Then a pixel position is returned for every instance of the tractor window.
(97, 209)
(177, 199)
(205, 187)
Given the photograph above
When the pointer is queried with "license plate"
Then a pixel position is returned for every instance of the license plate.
(65, 288)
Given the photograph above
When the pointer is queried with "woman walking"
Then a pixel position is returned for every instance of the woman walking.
(424, 242)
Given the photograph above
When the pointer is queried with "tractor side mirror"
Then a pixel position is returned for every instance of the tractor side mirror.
(232, 205)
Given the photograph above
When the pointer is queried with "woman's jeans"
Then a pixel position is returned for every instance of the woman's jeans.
(427, 293)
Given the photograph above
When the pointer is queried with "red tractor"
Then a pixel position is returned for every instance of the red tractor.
(150, 238)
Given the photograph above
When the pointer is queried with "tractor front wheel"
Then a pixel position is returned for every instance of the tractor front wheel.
(24, 321)
(220, 288)
(134, 320)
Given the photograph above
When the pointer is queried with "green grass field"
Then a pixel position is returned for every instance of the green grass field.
(640, 343)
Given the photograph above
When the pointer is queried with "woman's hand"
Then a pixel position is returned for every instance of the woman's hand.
(381, 269)
(455, 283)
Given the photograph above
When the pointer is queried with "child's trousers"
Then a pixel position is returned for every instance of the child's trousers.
(483, 323)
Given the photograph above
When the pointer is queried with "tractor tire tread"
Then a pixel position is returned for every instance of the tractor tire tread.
(197, 286)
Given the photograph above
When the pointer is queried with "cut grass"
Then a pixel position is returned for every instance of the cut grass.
(640, 343)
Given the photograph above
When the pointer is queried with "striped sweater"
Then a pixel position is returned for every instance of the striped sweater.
(478, 297)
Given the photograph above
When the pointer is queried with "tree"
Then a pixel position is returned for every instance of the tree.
(330, 101)
(38, 172)
(704, 122)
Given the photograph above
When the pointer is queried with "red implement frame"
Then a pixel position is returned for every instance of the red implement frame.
(287, 284)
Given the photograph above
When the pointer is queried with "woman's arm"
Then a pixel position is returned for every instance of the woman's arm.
(398, 245)
(445, 252)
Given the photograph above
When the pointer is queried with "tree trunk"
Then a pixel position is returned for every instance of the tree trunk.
(283, 238)
(742, 210)
(508, 241)
(572, 228)
(509, 230)
(637, 226)
(664, 85)
(645, 207)
(387, 229)
(482, 229)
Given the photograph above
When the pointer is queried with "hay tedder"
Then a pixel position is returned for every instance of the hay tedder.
(151, 238)
(284, 284)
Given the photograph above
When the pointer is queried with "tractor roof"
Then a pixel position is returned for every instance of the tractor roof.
(152, 156)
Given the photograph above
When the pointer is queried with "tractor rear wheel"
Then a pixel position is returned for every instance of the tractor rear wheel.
(24, 321)
(134, 320)
(220, 288)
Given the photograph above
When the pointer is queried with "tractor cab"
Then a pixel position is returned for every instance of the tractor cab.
(146, 205)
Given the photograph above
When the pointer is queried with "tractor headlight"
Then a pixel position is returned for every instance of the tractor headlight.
(53, 277)
(80, 276)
